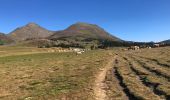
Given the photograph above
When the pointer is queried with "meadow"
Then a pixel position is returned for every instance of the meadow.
(29, 73)
(35, 74)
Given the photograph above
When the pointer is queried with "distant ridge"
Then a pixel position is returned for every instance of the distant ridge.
(166, 41)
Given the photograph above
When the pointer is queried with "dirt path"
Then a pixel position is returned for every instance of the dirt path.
(99, 87)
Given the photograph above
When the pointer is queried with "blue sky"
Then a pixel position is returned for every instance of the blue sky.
(137, 20)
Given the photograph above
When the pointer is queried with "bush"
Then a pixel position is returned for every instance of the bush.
(1, 42)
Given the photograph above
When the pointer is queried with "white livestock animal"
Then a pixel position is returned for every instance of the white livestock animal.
(134, 48)
(79, 53)
(137, 47)
(76, 49)
(156, 45)
(149, 47)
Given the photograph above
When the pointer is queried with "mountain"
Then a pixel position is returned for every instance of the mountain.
(83, 32)
(77, 35)
(84, 35)
(29, 31)
(4, 39)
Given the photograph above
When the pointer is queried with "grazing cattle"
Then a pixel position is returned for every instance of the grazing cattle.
(156, 45)
(78, 53)
(143, 46)
(58, 50)
(137, 48)
(134, 48)
(125, 49)
(76, 49)
(149, 47)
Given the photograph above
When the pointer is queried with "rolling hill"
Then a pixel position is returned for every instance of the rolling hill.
(83, 32)
(76, 35)
(29, 31)
(84, 35)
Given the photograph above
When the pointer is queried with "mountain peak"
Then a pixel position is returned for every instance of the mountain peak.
(32, 24)
(30, 31)
(84, 24)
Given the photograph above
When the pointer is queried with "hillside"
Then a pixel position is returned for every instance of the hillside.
(30, 31)
(83, 34)
(5, 39)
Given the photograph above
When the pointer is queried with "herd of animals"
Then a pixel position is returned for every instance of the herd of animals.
(79, 51)
(144, 46)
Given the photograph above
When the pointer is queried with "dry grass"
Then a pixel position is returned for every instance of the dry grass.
(142, 75)
(133, 83)
(35, 74)
(49, 75)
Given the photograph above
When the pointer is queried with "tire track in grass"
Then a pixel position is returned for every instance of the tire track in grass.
(115, 91)
(157, 70)
(156, 61)
(134, 88)
(152, 80)
(123, 86)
